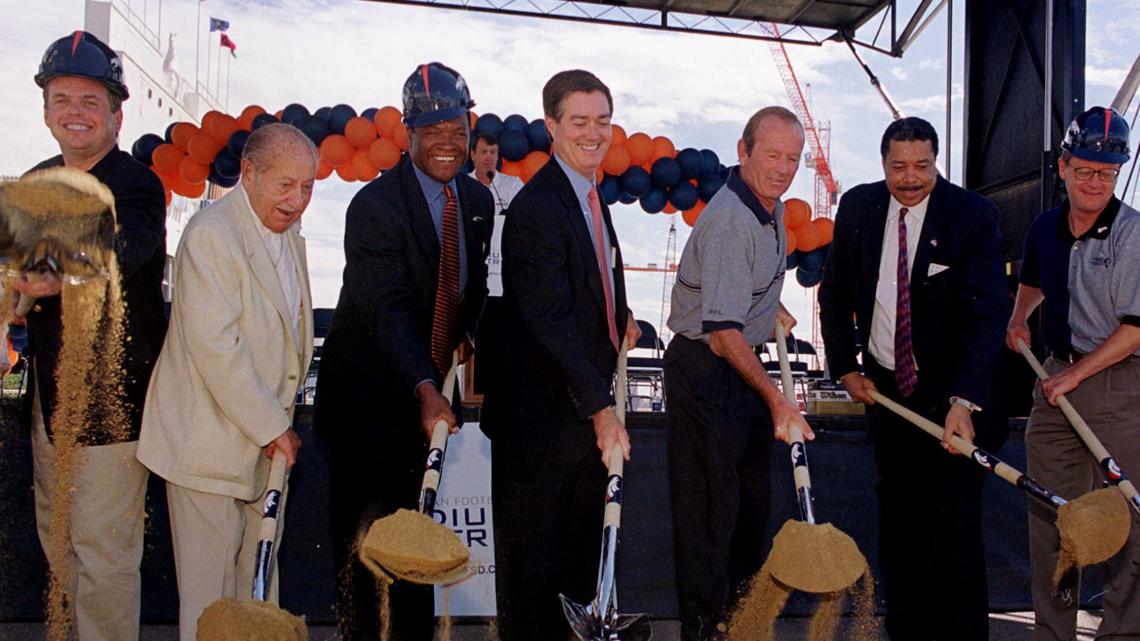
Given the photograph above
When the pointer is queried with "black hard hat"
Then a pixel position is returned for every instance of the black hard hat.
(82, 54)
(1098, 135)
(435, 93)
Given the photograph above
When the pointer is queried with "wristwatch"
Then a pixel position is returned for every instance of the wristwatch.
(958, 400)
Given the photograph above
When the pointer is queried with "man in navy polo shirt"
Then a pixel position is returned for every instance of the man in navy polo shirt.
(1082, 260)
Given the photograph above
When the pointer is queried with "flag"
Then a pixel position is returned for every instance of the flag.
(217, 24)
(229, 44)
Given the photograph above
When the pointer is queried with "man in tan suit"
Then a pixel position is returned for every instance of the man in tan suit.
(240, 340)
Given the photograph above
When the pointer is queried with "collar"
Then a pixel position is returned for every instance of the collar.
(431, 187)
(1099, 230)
(748, 197)
(580, 183)
(913, 213)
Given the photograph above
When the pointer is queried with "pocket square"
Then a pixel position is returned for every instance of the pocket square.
(936, 269)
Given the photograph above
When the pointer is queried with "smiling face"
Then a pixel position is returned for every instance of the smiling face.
(582, 135)
(1086, 197)
(279, 190)
(769, 167)
(440, 150)
(78, 111)
(910, 170)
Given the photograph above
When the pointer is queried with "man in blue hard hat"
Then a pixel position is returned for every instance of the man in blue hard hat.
(1082, 263)
(97, 559)
(415, 243)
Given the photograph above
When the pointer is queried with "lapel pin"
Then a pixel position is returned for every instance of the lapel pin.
(933, 242)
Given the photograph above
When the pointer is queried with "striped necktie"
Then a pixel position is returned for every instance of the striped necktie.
(603, 263)
(906, 373)
(444, 323)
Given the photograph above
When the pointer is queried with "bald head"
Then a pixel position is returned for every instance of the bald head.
(269, 143)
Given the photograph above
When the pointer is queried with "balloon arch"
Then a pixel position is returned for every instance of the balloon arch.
(649, 171)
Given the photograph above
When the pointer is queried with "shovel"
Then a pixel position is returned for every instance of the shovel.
(599, 620)
(1093, 527)
(1111, 470)
(410, 545)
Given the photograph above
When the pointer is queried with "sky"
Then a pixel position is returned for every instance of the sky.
(697, 90)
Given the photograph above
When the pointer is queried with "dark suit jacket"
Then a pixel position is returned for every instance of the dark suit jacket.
(379, 346)
(551, 356)
(958, 315)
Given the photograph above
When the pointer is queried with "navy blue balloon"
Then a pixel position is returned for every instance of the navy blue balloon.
(709, 162)
(808, 278)
(220, 180)
(339, 117)
(263, 119)
(793, 261)
(316, 128)
(683, 195)
(323, 113)
(227, 165)
(690, 161)
(169, 129)
(627, 199)
(370, 113)
(610, 189)
(723, 172)
(513, 145)
(814, 259)
(665, 173)
(708, 185)
(294, 114)
(489, 124)
(653, 201)
(145, 146)
(636, 182)
(516, 122)
(538, 136)
(236, 143)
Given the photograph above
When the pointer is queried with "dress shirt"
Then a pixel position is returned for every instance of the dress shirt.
(582, 186)
(283, 263)
(433, 193)
(882, 343)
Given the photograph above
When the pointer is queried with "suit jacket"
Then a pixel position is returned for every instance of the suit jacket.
(379, 346)
(225, 382)
(552, 361)
(958, 314)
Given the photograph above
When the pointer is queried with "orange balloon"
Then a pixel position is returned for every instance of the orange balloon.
(512, 168)
(472, 119)
(203, 147)
(662, 148)
(599, 176)
(533, 161)
(278, 114)
(181, 134)
(245, 120)
(796, 213)
(189, 190)
(386, 119)
(167, 179)
(208, 119)
(324, 170)
(169, 196)
(384, 154)
(669, 208)
(808, 237)
(616, 161)
(791, 248)
(362, 166)
(336, 150)
(166, 158)
(400, 137)
(618, 136)
(346, 173)
(193, 172)
(691, 215)
(640, 148)
(360, 131)
(826, 227)
(223, 127)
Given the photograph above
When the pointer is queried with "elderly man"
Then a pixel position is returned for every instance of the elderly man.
(414, 282)
(1082, 260)
(917, 269)
(548, 407)
(221, 397)
(82, 82)
(723, 407)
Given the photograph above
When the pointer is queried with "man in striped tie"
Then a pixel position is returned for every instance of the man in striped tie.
(415, 279)
(916, 278)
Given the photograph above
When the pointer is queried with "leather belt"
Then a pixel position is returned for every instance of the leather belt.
(1071, 357)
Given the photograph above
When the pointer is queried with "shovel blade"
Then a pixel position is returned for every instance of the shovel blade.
(588, 626)
(628, 627)
(584, 622)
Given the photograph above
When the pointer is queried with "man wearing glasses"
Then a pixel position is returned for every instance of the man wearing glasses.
(1082, 260)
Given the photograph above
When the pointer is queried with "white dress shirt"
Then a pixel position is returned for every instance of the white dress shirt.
(503, 188)
(283, 263)
(882, 343)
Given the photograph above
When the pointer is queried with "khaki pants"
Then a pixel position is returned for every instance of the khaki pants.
(215, 550)
(99, 565)
(1110, 403)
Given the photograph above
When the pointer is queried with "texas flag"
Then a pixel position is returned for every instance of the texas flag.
(229, 44)
(217, 24)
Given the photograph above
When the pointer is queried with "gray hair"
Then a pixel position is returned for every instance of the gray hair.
(266, 142)
(775, 111)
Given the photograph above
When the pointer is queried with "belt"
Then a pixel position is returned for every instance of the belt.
(1071, 357)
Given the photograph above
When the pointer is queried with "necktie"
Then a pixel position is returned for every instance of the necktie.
(443, 324)
(603, 262)
(906, 374)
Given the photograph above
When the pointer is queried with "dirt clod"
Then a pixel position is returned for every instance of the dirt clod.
(1093, 528)
(408, 542)
(233, 620)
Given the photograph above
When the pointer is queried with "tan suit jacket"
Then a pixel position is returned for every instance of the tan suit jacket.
(225, 383)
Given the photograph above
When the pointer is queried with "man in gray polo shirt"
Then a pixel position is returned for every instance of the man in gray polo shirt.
(723, 407)
(1082, 260)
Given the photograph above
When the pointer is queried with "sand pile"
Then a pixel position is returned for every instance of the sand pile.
(410, 544)
(233, 620)
(1093, 528)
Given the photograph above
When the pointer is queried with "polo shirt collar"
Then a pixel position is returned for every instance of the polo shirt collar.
(747, 196)
(1100, 229)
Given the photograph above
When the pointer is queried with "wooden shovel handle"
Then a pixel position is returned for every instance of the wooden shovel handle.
(616, 459)
(433, 470)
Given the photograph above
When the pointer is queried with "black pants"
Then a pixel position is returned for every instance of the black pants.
(720, 442)
(930, 531)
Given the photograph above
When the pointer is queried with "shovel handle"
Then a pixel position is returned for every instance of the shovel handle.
(980, 456)
(433, 468)
(267, 534)
(1111, 469)
(616, 462)
(800, 473)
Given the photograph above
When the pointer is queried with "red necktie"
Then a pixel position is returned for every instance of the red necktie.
(906, 374)
(443, 323)
(603, 263)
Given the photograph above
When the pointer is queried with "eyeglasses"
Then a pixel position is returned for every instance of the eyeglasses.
(1105, 175)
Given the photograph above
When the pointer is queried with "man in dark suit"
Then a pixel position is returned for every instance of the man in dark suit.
(915, 277)
(414, 282)
(548, 407)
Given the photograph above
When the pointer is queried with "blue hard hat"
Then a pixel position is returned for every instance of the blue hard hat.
(435, 93)
(82, 54)
(1098, 135)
